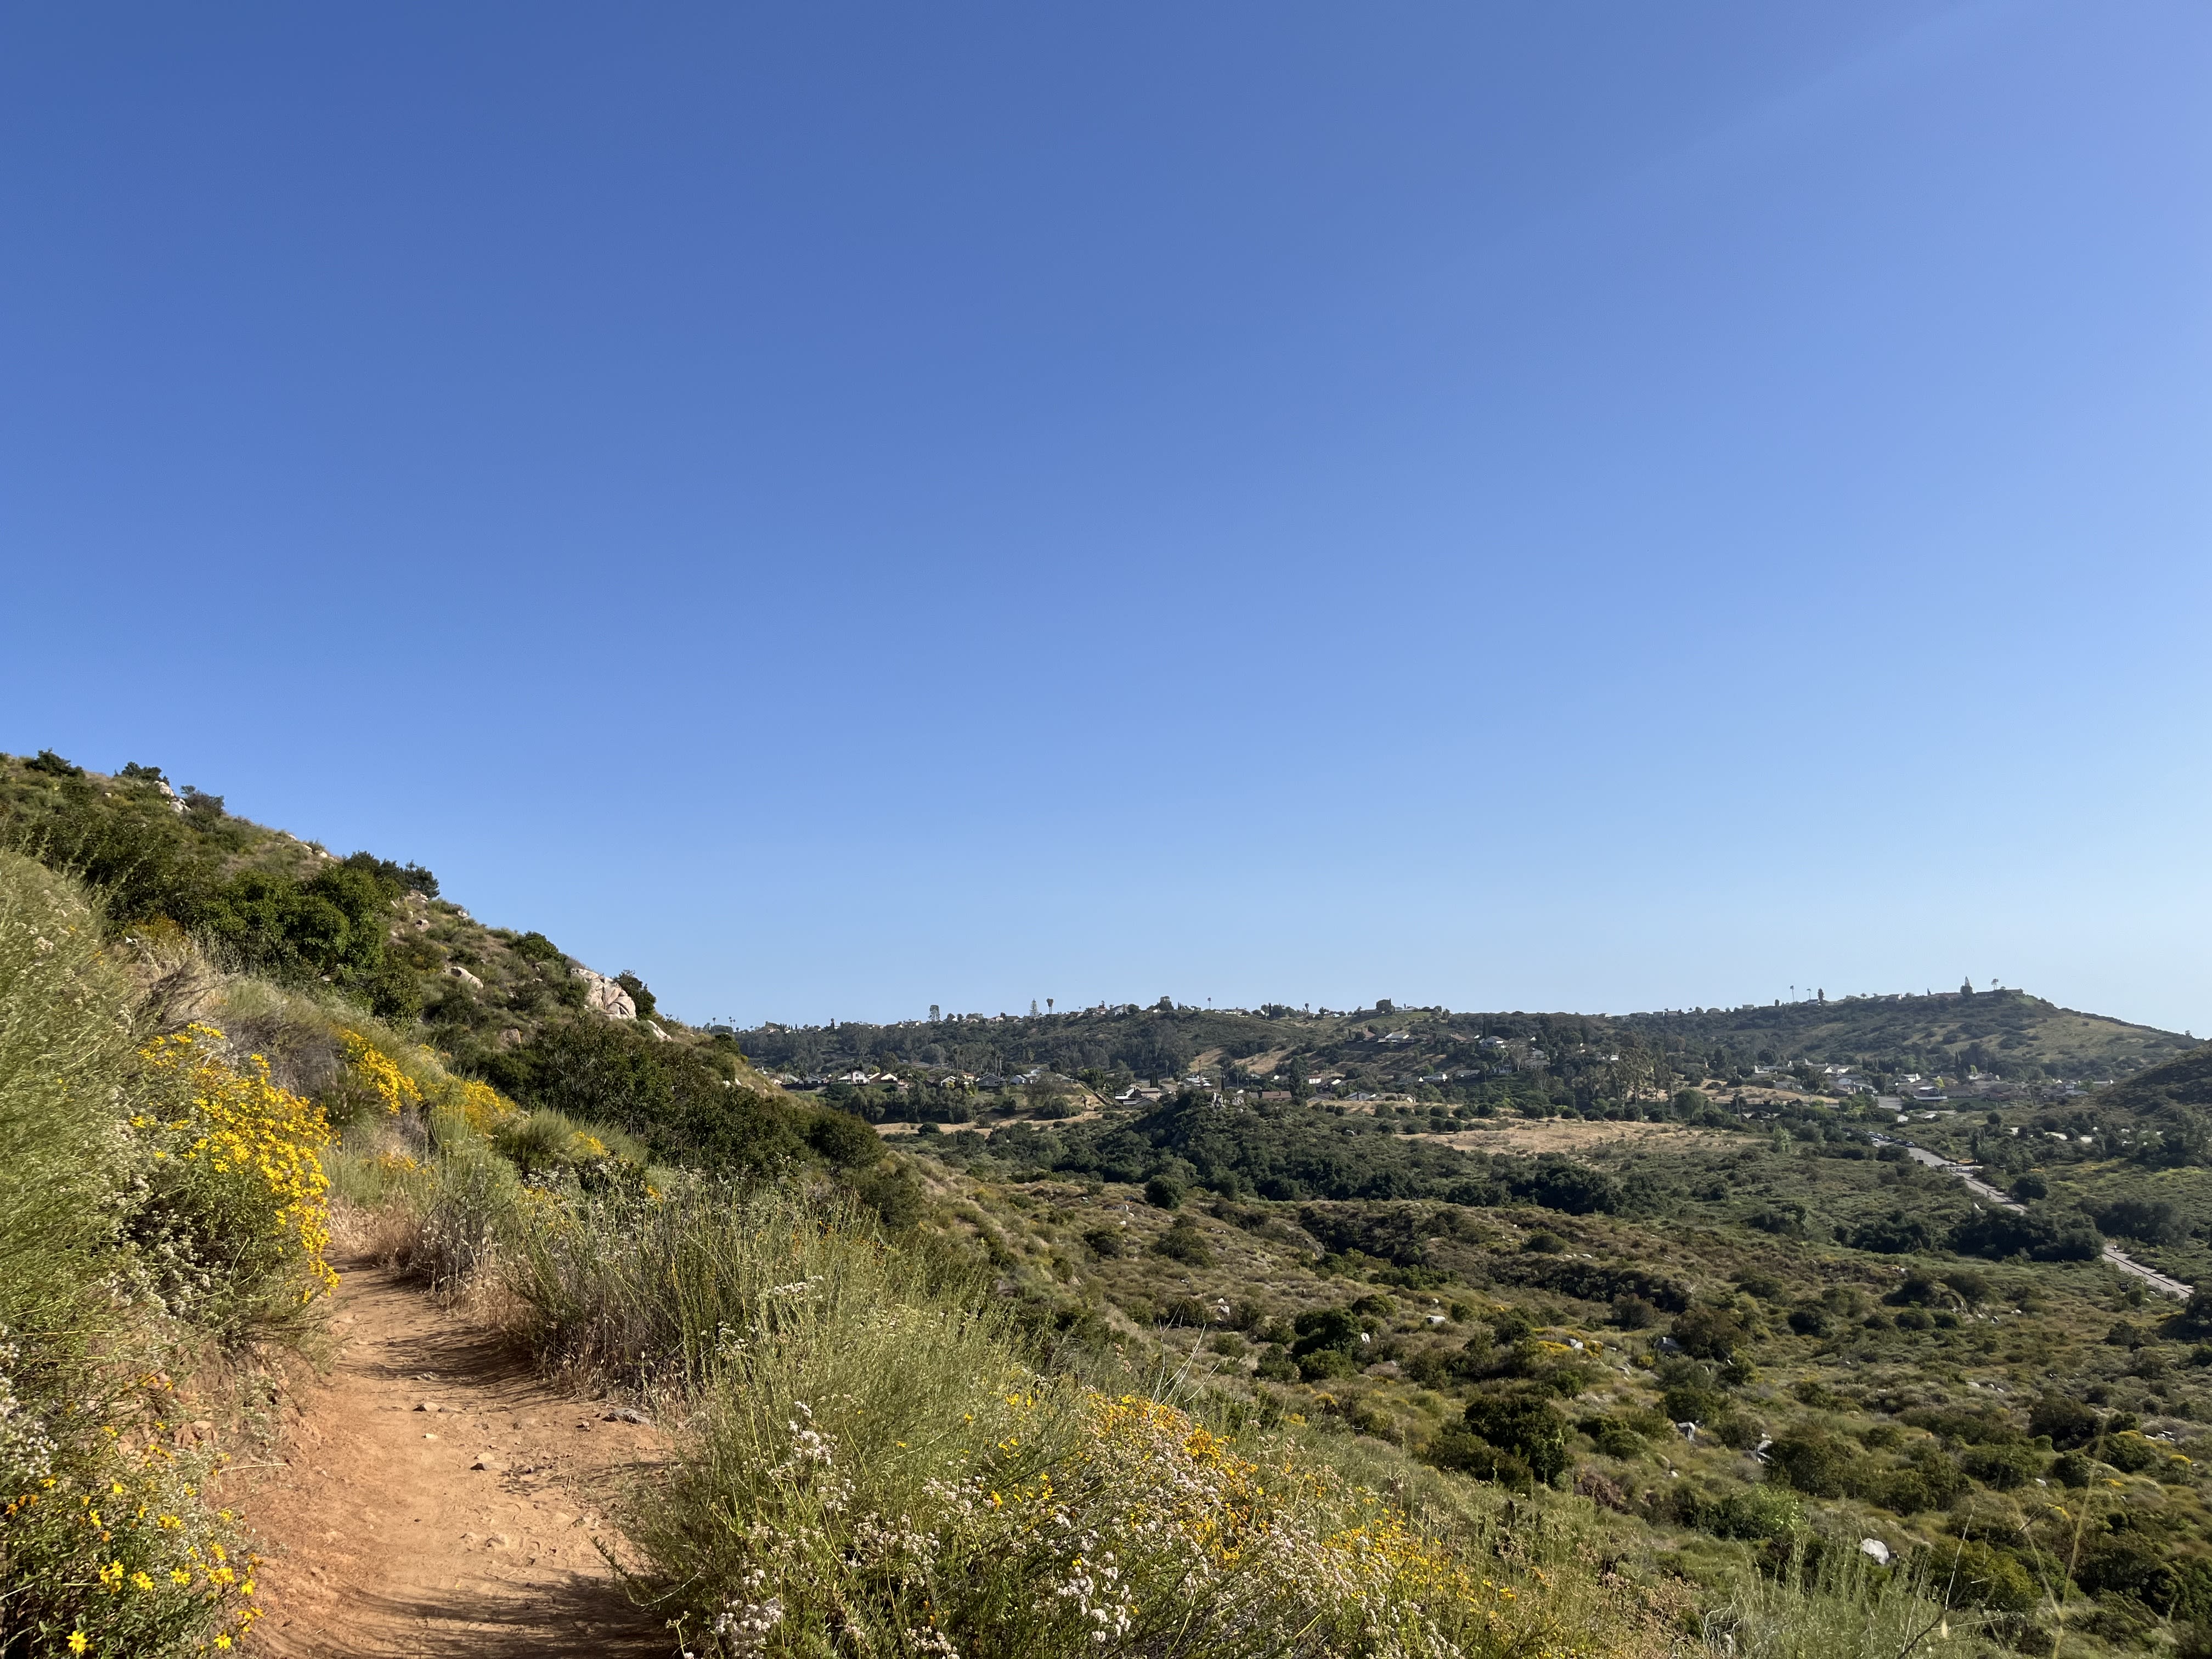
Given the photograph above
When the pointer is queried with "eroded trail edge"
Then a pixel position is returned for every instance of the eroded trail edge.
(437, 1496)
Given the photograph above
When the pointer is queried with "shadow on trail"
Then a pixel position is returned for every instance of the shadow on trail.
(581, 1618)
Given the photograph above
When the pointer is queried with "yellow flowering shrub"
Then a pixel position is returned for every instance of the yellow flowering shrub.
(116, 1553)
(483, 1107)
(379, 1074)
(238, 1178)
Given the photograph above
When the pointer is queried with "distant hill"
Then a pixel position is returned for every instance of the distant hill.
(2184, 1081)
(2007, 1035)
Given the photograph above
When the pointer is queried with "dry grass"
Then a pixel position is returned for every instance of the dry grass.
(1570, 1135)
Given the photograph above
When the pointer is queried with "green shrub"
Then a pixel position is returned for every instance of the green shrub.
(1323, 1364)
(1709, 1334)
(1969, 1573)
(1756, 1513)
(1614, 1437)
(1526, 1425)
(1812, 1463)
(889, 1190)
(843, 1140)
(2129, 1453)
(1183, 1243)
(1464, 1452)
(2002, 1468)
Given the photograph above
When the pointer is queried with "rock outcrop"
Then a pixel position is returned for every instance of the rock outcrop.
(602, 995)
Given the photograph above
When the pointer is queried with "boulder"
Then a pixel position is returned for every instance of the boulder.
(455, 970)
(602, 995)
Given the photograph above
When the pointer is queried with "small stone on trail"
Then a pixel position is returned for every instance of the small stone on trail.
(429, 1437)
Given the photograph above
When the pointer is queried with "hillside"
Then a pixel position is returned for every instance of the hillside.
(2183, 1082)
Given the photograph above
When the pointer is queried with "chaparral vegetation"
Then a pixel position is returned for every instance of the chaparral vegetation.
(1135, 1330)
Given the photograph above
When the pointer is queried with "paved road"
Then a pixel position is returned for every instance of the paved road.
(1981, 1189)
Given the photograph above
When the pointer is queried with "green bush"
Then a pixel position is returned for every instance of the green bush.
(1183, 1243)
(843, 1140)
(1812, 1463)
(889, 1191)
(1526, 1425)
(1969, 1573)
(1323, 1364)
(1464, 1452)
(1709, 1334)
(1756, 1513)
(2002, 1468)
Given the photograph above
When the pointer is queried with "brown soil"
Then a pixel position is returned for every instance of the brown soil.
(383, 1536)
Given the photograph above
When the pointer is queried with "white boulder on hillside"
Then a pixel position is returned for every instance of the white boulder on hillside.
(602, 995)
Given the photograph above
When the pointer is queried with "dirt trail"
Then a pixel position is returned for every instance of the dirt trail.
(467, 1528)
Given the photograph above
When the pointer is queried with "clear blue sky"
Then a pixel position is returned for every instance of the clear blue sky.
(845, 507)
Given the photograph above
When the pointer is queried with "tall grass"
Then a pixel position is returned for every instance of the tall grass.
(876, 1462)
(107, 1545)
(1836, 1604)
(67, 1073)
(652, 1287)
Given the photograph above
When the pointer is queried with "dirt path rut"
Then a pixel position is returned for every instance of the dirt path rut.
(397, 1532)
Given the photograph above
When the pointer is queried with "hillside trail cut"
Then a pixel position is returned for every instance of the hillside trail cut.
(438, 1498)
